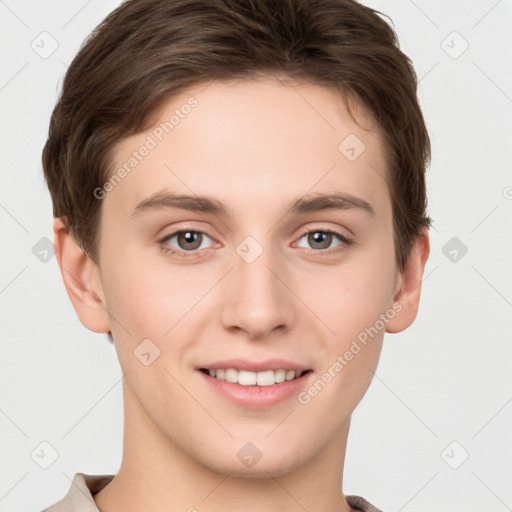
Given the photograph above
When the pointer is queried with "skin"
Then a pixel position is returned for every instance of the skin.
(256, 146)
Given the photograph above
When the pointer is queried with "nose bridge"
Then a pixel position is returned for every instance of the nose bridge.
(258, 300)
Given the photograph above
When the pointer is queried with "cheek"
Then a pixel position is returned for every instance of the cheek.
(351, 308)
(356, 329)
(352, 296)
(150, 296)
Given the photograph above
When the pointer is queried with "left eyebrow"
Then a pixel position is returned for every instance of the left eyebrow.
(206, 204)
(165, 199)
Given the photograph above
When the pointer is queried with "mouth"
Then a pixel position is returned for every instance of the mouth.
(255, 384)
(249, 378)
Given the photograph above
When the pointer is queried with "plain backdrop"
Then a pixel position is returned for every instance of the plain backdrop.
(434, 430)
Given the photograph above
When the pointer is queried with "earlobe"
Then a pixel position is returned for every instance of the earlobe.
(409, 291)
(82, 280)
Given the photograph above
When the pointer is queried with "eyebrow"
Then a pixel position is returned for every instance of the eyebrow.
(205, 204)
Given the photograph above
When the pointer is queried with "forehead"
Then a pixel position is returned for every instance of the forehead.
(253, 141)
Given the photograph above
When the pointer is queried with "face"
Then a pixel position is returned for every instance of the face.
(253, 272)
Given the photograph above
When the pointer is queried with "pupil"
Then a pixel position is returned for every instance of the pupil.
(189, 237)
(321, 238)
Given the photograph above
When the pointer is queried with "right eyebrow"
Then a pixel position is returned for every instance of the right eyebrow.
(333, 201)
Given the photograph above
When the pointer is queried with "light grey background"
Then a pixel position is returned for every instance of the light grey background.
(446, 379)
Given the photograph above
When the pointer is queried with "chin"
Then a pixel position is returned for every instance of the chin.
(265, 467)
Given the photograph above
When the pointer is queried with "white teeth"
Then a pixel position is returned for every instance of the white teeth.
(266, 378)
(280, 376)
(231, 375)
(290, 374)
(246, 378)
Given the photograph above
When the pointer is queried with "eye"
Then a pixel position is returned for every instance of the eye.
(187, 240)
(321, 239)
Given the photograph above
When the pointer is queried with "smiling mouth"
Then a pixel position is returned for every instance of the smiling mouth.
(248, 378)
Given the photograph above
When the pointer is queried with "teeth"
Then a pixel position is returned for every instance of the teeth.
(231, 375)
(246, 378)
(280, 376)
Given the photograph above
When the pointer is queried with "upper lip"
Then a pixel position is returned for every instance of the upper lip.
(255, 366)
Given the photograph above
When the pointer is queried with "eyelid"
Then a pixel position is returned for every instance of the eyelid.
(327, 229)
(345, 241)
(182, 253)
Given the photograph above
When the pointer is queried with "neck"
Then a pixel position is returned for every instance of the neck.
(158, 475)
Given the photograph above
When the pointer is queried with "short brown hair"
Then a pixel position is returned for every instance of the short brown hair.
(147, 51)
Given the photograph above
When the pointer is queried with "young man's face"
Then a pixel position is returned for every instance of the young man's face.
(257, 283)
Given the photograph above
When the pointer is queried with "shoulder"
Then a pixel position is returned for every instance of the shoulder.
(359, 503)
(79, 497)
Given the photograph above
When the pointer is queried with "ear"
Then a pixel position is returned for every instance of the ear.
(82, 280)
(408, 287)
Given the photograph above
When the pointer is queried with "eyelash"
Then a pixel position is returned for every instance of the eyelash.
(345, 242)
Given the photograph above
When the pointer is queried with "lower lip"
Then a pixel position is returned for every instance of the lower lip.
(257, 397)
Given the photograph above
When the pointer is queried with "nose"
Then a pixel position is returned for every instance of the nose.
(258, 300)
